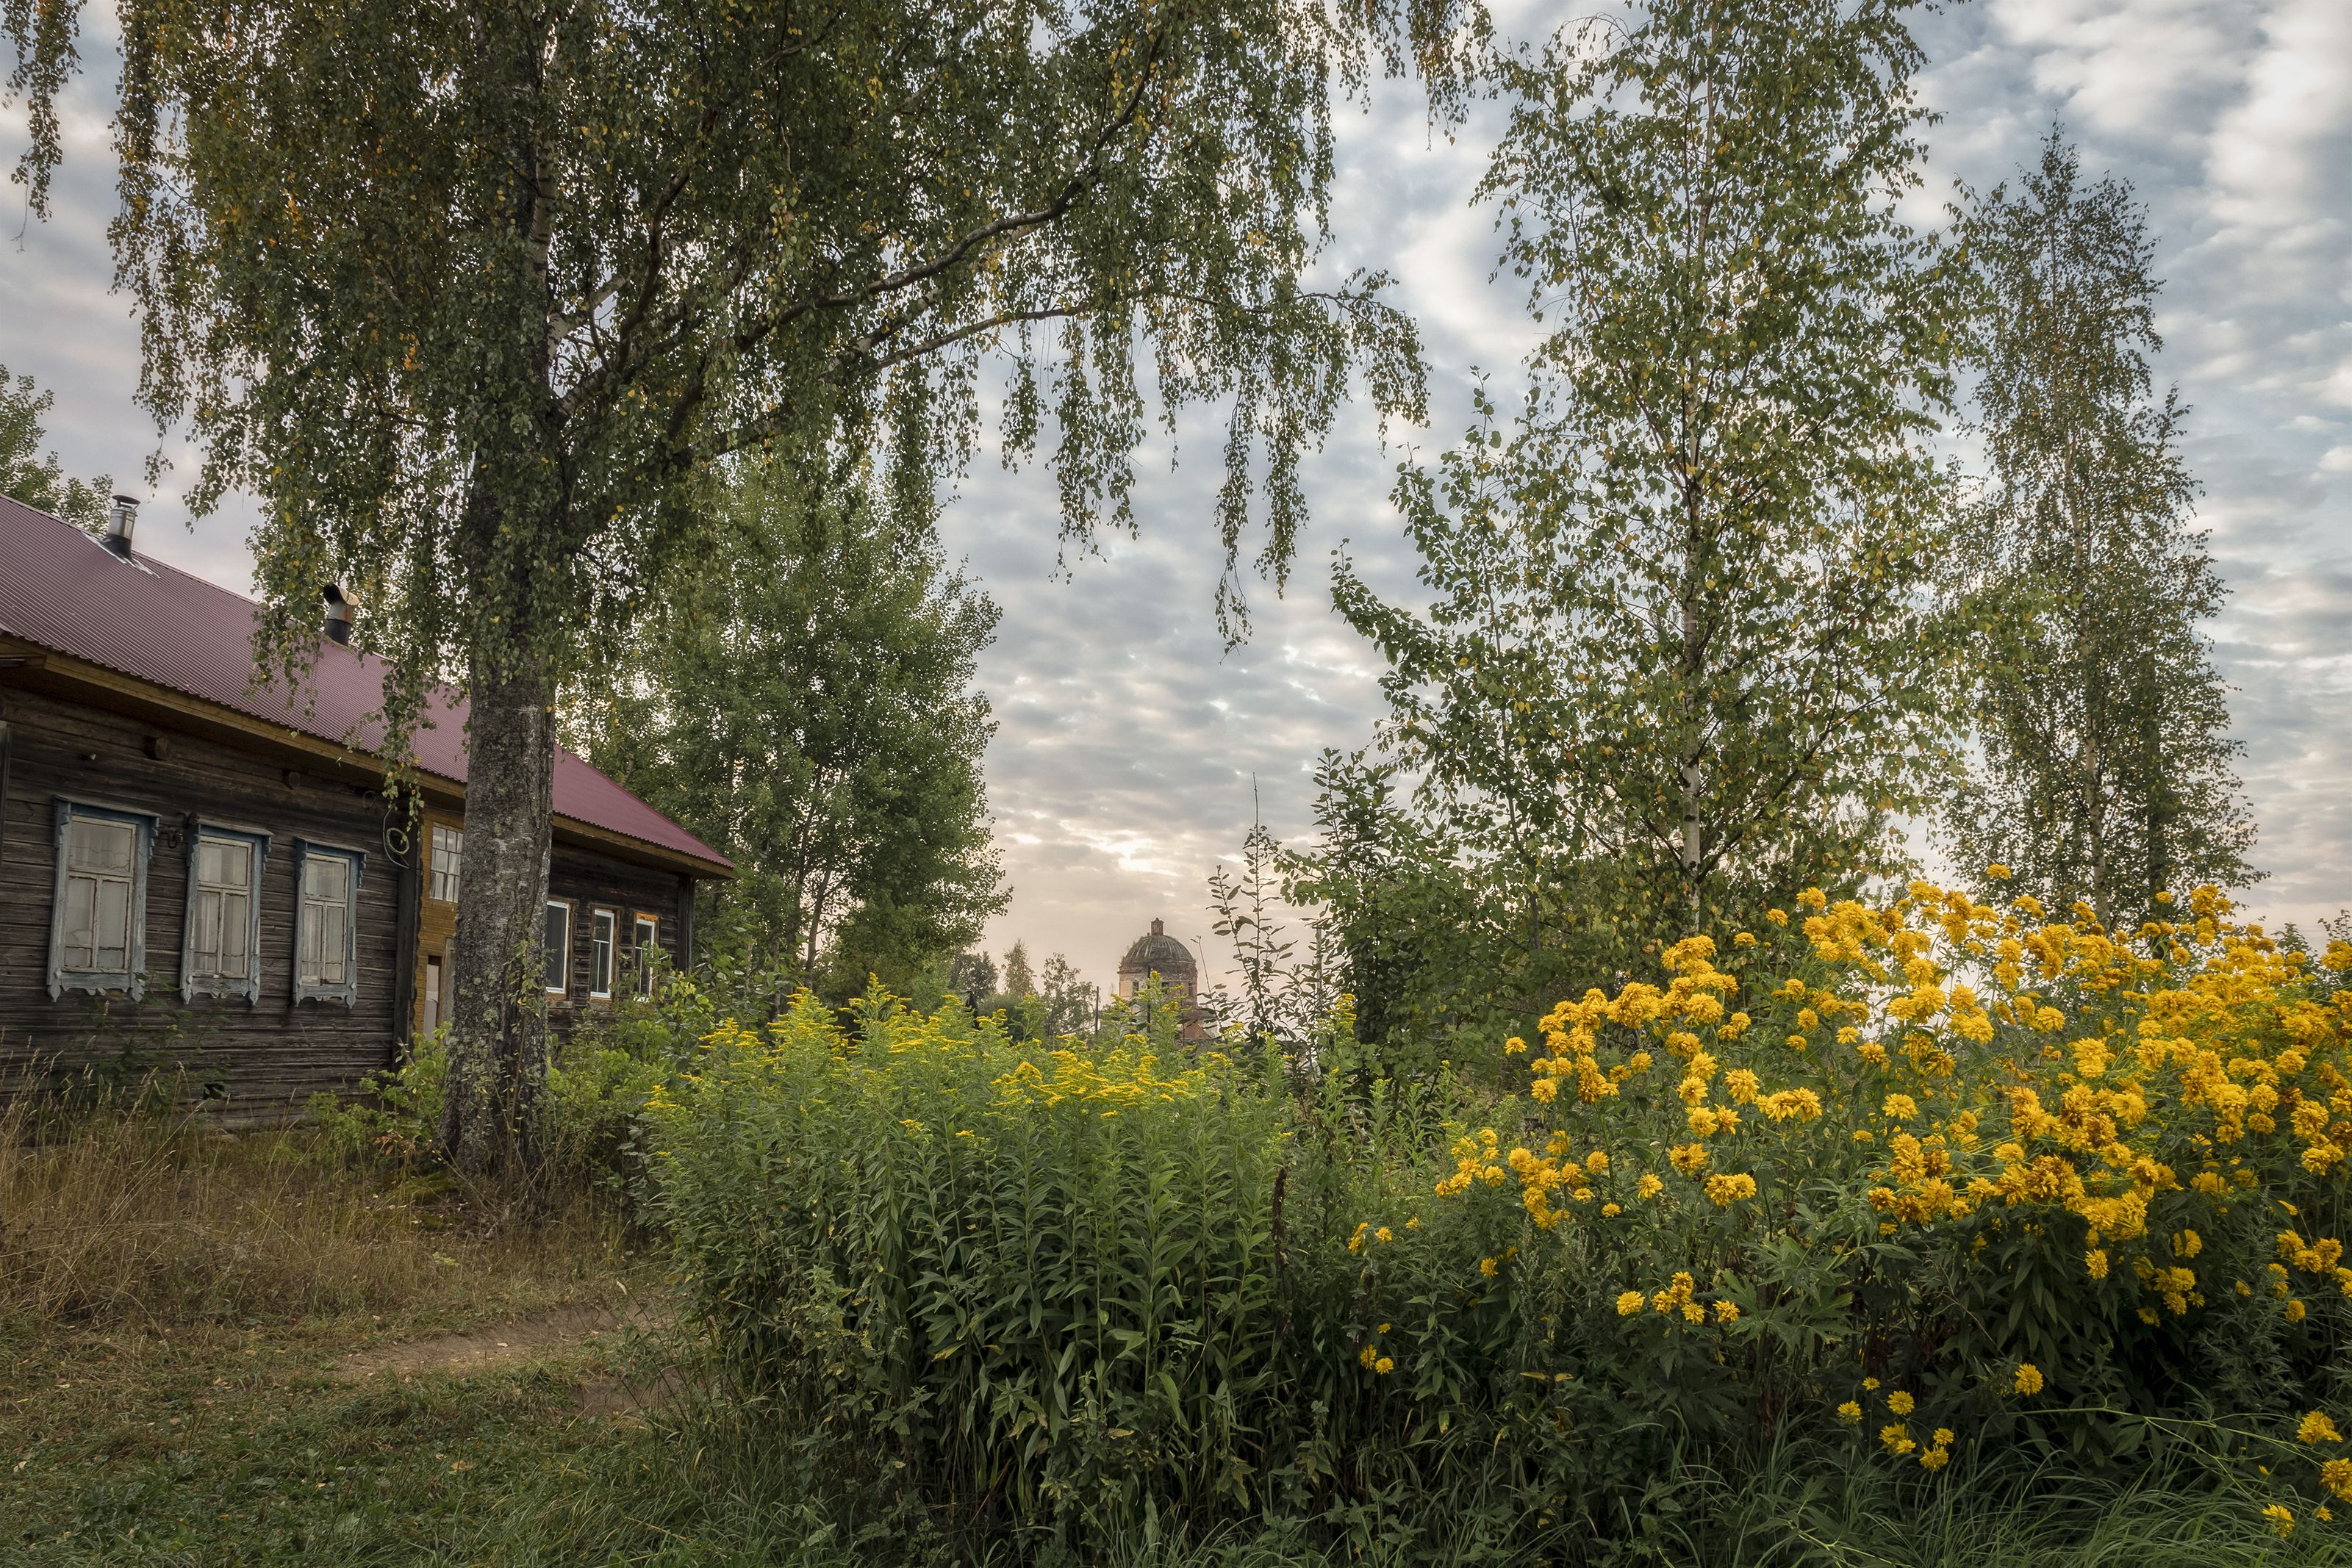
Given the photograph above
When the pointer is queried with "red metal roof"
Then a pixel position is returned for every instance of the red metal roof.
(64, 590)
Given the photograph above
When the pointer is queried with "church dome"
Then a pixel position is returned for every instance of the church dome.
(1157, 952)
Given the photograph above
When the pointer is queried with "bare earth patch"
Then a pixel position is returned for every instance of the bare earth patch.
(525, 1340)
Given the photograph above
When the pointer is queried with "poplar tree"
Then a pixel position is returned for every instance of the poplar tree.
(1676, 664)
(461, 293)
(2106, 770)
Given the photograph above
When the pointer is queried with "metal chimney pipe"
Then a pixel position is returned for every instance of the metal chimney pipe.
(122, 520)
(338, 614)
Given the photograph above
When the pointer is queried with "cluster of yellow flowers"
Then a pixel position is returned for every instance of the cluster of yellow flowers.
(2188, 1054)
(1122, 1076)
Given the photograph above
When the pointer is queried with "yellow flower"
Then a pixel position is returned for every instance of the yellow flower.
(1723, 1191)
(1997, 871)
(1631, 1303)
(2317, 1428)
(1687, 1158)
(1648, 1187)
(1385, 1234)
(2335, 1475)
(1777, 916)
(1899, 1107)
(1727, 1313)
(1488, 1267)
(1897, 1439)
(1869, 1383)
(2096, 1260)
(1934, 1458)
(2282, 1517)
(1610, 1211)
(1899, 1402)
(2295, 1310)
(1850, 1412)
(1385, 1365)
(1514, 1046)
(1944, 1436)
(2029, 1378)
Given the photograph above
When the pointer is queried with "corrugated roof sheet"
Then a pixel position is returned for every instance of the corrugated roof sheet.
(63, 589)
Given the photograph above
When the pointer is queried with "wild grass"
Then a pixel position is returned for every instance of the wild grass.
(172, 1302)
(115, 1216)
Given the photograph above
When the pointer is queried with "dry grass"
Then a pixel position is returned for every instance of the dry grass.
(116, 1217)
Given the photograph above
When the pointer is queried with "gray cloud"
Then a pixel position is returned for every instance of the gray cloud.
(1130, 738)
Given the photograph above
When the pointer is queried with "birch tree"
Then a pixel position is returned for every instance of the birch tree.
(461, 293)
(2105, 768)
(1677, 652)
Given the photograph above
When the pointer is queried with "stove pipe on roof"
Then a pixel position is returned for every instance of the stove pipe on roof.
(338, 614)
(120, 519)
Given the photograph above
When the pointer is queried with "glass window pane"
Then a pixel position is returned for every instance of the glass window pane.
(225, 864)
(600, 957)
(327, 879)
(333, 928)
(95, 844)
(558, 940)
(204, 933)
(236, 926)
(81, 911)
(113, 923)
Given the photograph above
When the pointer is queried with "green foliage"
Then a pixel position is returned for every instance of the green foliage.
(37, 480)
(1045, 1283)
(801, 697)
(1074, 1292)
(460, 295)
(1674, 665)
(2102, 728)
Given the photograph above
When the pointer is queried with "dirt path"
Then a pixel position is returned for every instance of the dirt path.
(486, 1349)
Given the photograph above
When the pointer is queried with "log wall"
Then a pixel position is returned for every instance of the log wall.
(260, 1060)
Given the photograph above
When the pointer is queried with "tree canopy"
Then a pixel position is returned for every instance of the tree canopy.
(2106, 765)
(802, 699)
(33, 477)
(1675, 665)
(463, 294)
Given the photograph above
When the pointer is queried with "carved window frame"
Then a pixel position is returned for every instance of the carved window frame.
(133, 982)
(192, 985)
(348, 992)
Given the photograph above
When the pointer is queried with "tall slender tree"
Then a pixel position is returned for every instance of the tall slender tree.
(2106, 769)
(1675, 653)
(461, 292)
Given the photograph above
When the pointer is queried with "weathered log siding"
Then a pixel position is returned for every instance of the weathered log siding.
(260, 1060)
(264, 1056)
(589, 881)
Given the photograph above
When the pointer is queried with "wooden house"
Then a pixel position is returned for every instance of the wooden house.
(199, 871)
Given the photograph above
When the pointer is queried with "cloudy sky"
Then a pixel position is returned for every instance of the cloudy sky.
(1132, 745)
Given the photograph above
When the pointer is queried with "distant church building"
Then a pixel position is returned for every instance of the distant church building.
(1163, 955)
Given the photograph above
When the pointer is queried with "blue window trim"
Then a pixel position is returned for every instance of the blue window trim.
(249, 988)
(348, 993)
(99, 982)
